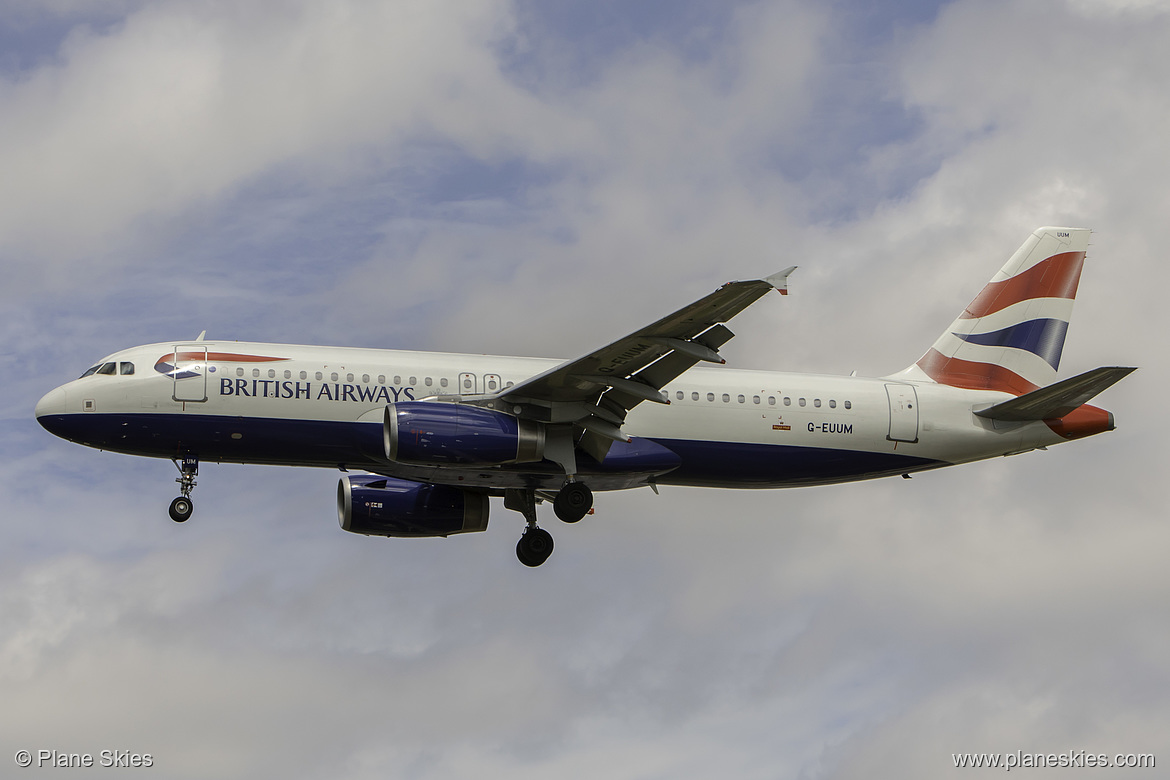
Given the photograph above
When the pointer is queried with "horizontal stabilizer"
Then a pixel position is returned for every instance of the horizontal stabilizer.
(1057, 400)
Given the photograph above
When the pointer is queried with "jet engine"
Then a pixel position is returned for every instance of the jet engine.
(382, 506)
(432, 433)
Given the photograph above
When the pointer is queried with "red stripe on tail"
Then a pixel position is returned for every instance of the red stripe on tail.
(1054, 277)
(973, 376)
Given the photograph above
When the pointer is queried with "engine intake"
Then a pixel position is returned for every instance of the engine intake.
(383, 506)
(428, 432)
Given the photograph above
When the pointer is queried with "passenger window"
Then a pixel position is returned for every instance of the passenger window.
(333, 377)
(817, 403)
(287, 374)
(428, 382)
(240, 371)
(801, 401)
(414, 380)
(741, 399)
(381, 379)
(349, 378)
(787, 401)
(443, 382)
(397, 380)
(755, 399)
(771, 400)
(318, 375)
(832, 404)
(848, 405)
(272, 373)
(694, 396)
(255, 372)
(125, 369)
(726, 398)
(710, 396)
(108, 368)
(679, 395)
(304, 375)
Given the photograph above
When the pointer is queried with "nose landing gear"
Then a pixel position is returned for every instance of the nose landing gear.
(182, 507)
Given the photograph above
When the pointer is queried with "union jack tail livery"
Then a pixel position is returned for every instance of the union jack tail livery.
(1010, 337)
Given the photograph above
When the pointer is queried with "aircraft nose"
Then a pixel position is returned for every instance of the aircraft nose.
(51, 411)
(52, 403)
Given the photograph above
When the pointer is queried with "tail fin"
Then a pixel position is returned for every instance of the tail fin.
(1011, 336)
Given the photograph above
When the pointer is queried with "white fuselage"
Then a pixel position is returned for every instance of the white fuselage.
(324, 406)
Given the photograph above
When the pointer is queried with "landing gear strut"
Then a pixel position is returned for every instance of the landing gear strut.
(182, 506)
(536, 544)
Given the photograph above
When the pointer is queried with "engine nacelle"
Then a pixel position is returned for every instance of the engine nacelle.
(383, 506)
(432, 433)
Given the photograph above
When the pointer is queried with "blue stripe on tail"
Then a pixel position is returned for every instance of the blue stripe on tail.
(1040, 337)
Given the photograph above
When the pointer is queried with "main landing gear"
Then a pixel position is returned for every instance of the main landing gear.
(572, 503)
(182, 507)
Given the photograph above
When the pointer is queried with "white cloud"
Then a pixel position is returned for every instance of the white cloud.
(827, 632)
(182, 104)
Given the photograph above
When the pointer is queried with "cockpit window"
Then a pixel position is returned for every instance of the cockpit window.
(110, 369)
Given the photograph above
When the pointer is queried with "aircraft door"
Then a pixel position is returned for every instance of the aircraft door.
(189, 370)
(903, 413)
(468, 384)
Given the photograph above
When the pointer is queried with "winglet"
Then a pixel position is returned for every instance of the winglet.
(780, 280)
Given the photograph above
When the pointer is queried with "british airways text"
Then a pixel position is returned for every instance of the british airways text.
(275, 388)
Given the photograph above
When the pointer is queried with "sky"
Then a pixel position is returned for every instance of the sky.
(539, 179)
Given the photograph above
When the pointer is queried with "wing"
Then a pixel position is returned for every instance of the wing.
(595, 392)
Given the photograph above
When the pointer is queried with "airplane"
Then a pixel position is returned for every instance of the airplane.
(435, 435)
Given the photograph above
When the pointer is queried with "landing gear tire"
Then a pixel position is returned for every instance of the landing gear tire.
(573, 502)
(534, 547)
(181, 509)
